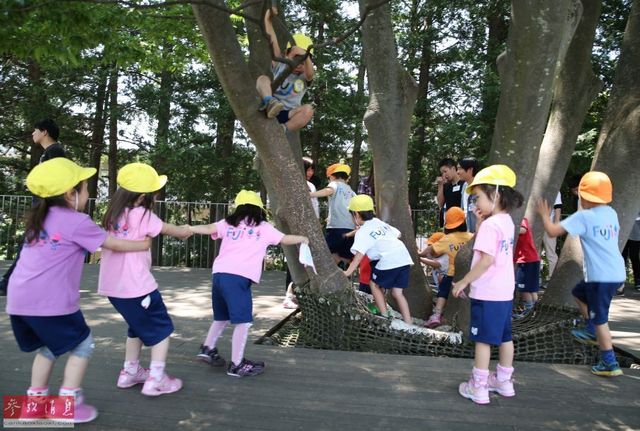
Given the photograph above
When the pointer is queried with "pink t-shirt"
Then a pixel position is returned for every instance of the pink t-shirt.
(243, 248)
(46, 281)
(495, 237)
(128, 274)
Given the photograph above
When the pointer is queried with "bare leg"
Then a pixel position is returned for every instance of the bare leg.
(160, 350)
(74, 372)
(506, 354)
(482, 356)
(378, 297)
(41, 371)
(299, 117)
(440, 303)
(133, 346)
(604, 336)
(263, 85)
(583, 308)
(403, 305)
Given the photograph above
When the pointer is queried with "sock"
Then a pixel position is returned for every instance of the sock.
(590, 328)
(131, 367)
(156, 369)
(34, 391)
(528, 305)
(608, 357)
(480, 376)
(437, 312)
(214, 332)
(503, 373)
(239, 341)
(266, 99)
(70, 392)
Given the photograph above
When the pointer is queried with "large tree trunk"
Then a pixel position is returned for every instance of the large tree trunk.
(97, 133)
(575, 89)
(392, 96)
(617, 153)
(356, 155)
(281, 166)
(538, 35)
(113, 129)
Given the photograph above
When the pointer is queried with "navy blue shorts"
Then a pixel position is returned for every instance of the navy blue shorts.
(391, 278)
(151, 325)
(60, 334)
(283, 116)
(528, 277)
(338, 244)
(445, 287)
(490, 321)
(231, 298)
(598, 297)
(362, 287)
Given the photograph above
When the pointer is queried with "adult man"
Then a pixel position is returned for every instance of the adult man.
(449, 187)
(467, 169)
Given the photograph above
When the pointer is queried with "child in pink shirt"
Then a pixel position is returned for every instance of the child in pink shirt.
(43, 298)
(492, 279)
(125, 278)
(245, 236)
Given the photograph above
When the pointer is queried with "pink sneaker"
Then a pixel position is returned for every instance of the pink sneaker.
(504, 388)
(289, 303)
(476, 392)
(434, 321)
(83, 413)
(126, 380)
(34, 407)
(166, 385)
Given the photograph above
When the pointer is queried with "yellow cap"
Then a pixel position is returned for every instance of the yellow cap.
(338, 167)
(140, 178)
(247, 197)
(302, 41)
(497, 175)
(361, 203)
(56, 176)
(596, 187)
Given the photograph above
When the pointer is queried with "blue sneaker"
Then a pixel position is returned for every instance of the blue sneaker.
(608, 370)
(585, 337)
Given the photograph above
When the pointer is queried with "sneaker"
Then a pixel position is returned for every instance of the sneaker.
(504, 388)
(585, 337)
(166, 385)
(211, 356)
(246, 368)
(272, 108)
(434, 321)
(620, 290)
(477, 393)
(83, 413)
(289, 303)
(637, 287)
(126, 380)
(608, 370)
(34, 407)
(521, 314)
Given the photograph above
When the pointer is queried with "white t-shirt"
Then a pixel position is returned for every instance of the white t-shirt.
(379, 241)
(314, 201)
(556, 204)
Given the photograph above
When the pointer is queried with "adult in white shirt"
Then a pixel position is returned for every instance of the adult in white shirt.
(549, 242)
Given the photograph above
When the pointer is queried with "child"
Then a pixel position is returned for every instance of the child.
(390, 260)
(245, 237)
(527, 269)
(285, 103)
(491, 278)
(339, 222)
(125, 278)
(598, 228)
(455, 237)
(43, 301)
(439, 264)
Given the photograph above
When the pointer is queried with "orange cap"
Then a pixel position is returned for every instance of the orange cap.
(454, 217)
(338, 167)
(596, 187)
(435, 238)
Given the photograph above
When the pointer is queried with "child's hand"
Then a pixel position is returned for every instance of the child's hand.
(458, 288)
(543, 208)
(186, 231)
(305, 240)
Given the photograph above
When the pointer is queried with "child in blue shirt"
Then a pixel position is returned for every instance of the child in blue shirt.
(598, 228)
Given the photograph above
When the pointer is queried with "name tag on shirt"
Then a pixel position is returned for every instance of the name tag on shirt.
(456, 188)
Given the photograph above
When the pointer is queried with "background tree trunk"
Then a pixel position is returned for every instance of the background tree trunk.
(392, 96)
(113, 129)
(97, 134)
(356, 155)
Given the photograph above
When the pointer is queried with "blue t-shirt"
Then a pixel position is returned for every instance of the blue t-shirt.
(599, 231)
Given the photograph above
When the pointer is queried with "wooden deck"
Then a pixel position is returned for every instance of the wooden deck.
(323, 390)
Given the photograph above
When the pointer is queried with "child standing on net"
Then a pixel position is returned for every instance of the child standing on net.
(439, 264)
(598, 228)
(125, 278)
(390, 259)
(245, 237)
(491, 278)
(455, 237)
(527, 270)
(43, 301)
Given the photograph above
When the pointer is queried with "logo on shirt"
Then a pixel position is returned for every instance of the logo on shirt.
(381, 231)
(248, 233)
(606, 232)
(121, 230)
(44, 239)
(505, 245)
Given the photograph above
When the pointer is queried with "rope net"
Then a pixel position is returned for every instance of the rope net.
(544, 335)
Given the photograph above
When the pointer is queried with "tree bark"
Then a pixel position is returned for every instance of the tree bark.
(282, 168)
(97, 134)
(575, 89)
(113, 129)
(617, 151)
(392, 97)
(356, 155)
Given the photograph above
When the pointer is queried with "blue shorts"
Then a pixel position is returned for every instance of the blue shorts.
(528, 277)
(362, 287)
(60, 334)
(338, 244)
(150, 325)
(445, 287)
(490, 321)
(283, 116)
(231, 298)
(391, 278)
(598, 297)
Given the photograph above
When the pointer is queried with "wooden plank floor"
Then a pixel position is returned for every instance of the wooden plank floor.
(305, 389)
